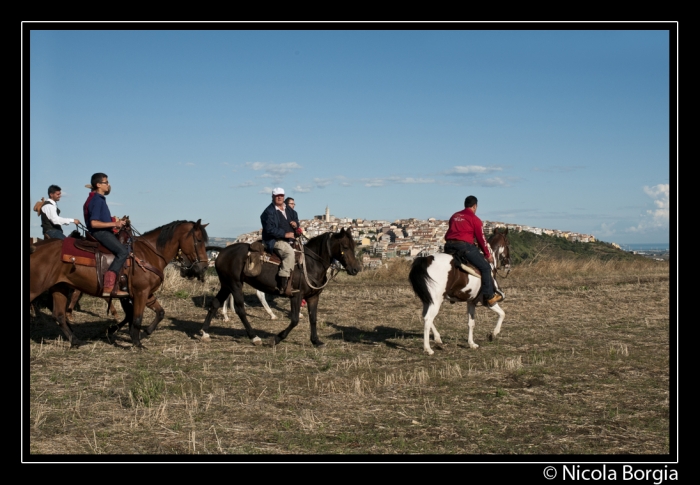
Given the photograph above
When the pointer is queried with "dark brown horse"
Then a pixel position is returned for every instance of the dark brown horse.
(319, 254)
(152, 252)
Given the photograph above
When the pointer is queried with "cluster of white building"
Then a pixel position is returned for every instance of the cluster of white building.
(408, 238)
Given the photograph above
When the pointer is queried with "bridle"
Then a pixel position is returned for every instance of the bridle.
(334, 270)
(182, 261)
(503, 260)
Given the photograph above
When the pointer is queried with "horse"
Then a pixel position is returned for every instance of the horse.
(151, 252)
(123, 235)
(500, 247)
(261, 296)
(310, 278)
(438, 277)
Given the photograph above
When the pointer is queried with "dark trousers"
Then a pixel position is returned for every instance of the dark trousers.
(471, 253)
(55, 234)
(110, 241)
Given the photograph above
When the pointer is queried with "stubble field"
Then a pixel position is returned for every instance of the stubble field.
(582, 366)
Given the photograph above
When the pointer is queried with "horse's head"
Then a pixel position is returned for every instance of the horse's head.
(343, 249)
(192, 255)
(501, 250)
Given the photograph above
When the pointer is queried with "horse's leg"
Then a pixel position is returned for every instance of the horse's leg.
(128, 315)
(430, 311)
(139, 303)
(501, 316)
(75, 297)
(221, 296)
(261, 297)
(312, 307)
(228, 303)
(296, 305)
(239, 307)
(471, 311)
(60, 299)
(154, 305)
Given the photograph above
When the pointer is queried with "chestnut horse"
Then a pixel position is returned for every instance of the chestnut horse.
(151, 253)
(436, 277)
(310, 279)
(124, 234)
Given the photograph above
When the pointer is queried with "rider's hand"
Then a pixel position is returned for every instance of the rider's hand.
(293, 224)
(288, 235)
(76, 221)
(490, 260)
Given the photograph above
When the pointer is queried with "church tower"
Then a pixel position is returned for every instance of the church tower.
(328, 215)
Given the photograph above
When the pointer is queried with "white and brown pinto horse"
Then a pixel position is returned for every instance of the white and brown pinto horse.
(438, 277)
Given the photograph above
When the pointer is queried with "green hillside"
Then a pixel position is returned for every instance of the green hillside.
(526, 246)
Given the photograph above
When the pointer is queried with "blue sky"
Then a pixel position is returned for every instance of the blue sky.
(560, 129)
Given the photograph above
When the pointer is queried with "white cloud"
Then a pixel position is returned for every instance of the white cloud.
(321, 183)
(249, 183)
(471, 170)
(382, 181)
(275, 171)
(655, 218)
(302, 188)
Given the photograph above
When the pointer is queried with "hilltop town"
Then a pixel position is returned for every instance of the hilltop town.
(383, 240)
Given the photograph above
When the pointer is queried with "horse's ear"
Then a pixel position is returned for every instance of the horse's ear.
(205, 225)
(348, 231)
(505, 233)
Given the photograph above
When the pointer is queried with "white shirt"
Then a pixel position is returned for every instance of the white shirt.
(52, 214)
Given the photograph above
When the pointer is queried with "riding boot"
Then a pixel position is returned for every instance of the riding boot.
(282, 284)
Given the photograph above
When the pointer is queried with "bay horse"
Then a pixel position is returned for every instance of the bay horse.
(436, 278)
(151, 253)
(123, 235)
(310, 279)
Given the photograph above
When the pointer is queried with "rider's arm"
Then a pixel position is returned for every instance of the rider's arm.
(269, 223)
(52, 214)
(105, 225)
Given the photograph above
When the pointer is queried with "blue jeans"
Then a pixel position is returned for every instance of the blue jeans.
(110, 241)
(55, 234)
(471, 253)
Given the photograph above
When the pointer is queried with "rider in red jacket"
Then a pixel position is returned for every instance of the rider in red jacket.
(464, 228)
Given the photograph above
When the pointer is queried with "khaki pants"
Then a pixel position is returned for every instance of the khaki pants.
(286, 253)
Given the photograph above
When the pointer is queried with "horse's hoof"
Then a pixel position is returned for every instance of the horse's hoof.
(490, 337)
(257, 341)
(439, 345)
(319, 345)
(429, 351)
(474, 346)
(112, 329)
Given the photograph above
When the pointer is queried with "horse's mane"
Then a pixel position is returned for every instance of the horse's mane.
(315, 243)
(167, 231)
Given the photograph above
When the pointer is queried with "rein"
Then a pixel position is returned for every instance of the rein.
(318, 257)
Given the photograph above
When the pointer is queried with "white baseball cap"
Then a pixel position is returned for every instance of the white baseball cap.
(278, 191)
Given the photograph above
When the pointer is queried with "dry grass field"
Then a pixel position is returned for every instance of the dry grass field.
(582, 367)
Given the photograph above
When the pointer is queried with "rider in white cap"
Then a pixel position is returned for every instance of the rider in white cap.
(279, 223)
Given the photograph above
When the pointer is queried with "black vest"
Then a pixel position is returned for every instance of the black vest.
(46, 224)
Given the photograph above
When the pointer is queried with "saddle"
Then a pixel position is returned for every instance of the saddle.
(464, 265)
(258, 255)
(87, 251)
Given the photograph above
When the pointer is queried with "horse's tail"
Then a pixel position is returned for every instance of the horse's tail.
(419, 278)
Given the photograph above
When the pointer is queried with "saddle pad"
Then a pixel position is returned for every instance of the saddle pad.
(71, 254)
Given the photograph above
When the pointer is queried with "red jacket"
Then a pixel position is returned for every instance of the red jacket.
(465, 226)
